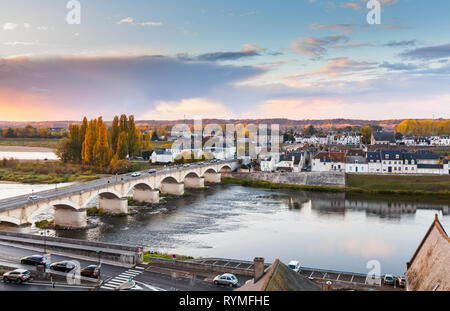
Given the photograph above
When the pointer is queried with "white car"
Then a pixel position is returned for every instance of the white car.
(294, 265)
(136, 174)
(226, 279)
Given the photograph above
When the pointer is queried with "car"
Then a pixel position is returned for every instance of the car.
(401, 281)
(63, 266)
(34, 197)
(388, 279)
(135, 174)
(186, 165)
(33, 260)
(91, 271)
(18, 275)
(294, 265)
(152, 171)
(226, 279)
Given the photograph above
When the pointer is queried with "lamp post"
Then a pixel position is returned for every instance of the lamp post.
(45, 240)
(99, 264)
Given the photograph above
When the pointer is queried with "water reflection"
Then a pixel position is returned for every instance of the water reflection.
(322, 230)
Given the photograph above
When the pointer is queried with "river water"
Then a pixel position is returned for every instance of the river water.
(321, 230)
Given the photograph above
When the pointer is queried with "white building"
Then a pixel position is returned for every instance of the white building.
(356, 164)
(162, 156)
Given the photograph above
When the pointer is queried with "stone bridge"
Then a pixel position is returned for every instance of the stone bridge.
(70, 203)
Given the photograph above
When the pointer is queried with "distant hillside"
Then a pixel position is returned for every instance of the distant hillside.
(325, 123)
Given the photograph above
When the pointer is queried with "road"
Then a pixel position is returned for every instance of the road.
(19, 201)
(112, 276)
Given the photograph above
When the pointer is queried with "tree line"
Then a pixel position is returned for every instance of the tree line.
(31, 132)
(424, 127)
(93, 143)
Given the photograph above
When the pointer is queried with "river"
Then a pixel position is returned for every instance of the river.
(321, 230)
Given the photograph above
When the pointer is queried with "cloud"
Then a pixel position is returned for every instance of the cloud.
(126, 20)
(430, 52)
(187, 108)
(398, 66)
(343, 28)
(9, 26)
(130, 20)
(401, 43)
(316, 47)
(107, 86)
(338, 66)
(250, 50)
(353, 5)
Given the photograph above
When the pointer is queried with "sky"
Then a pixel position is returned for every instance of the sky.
(166, 60)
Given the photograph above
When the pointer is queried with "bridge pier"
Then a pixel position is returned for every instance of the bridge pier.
(212, 178)
(66, 216)
(113, 205)
(172, 188)
(145, 195)
(194, 182)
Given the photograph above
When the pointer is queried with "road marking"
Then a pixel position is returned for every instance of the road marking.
(114, 283)
(107, 287)
(127, 274)
(140, 268)
(120, 278)
(131, 270)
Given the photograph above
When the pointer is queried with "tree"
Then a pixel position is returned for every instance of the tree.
(102, 151)
(366, 134)
(122, 146)
(115, 131)
(155, 136)
(309, 131)
(10, 133)
(133, 139)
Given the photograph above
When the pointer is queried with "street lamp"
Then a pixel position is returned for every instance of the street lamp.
(45, 239)
(99, 265)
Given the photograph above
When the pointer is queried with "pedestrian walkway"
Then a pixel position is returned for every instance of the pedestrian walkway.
(115, 282)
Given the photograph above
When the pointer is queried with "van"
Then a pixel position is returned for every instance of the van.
(294, 265)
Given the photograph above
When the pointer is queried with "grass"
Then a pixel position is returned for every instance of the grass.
(31, 177)
(94, 211)
(44, 224)
(428, 187)
(271, 185)
(30, 142)
(400, 183)
(149, 254)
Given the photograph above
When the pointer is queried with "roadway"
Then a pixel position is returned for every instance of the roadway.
(111, 276)
(14, 202)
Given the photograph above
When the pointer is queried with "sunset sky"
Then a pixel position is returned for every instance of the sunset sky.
(166, 59)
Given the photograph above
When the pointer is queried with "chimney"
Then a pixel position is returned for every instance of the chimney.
(259, 269)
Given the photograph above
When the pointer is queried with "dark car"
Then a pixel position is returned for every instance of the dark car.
(34, 260)
(91, 271)
(152, 171)
(388, 279)
(401, 281)
(63, 266)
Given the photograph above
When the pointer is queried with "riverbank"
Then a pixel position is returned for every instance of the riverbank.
(437, 187)
(47, 143)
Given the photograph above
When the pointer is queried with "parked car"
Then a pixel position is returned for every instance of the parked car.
(34, 260)
(135, 174)
(63, 266)
(226, 279)
(91, 271)
(401, 281)
(186, 165)
(34, 197)
(152, 171)
(388, 279)
(18, 275)
(294, 265)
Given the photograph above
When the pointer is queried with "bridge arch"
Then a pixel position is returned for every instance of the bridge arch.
(141, 185)
(66, 204)
(10, 220)
(169, 180)
(106, 193)
(209, 171)
(191, 174)
(225, 168)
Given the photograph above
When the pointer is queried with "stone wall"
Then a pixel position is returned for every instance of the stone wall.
(335, 179)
